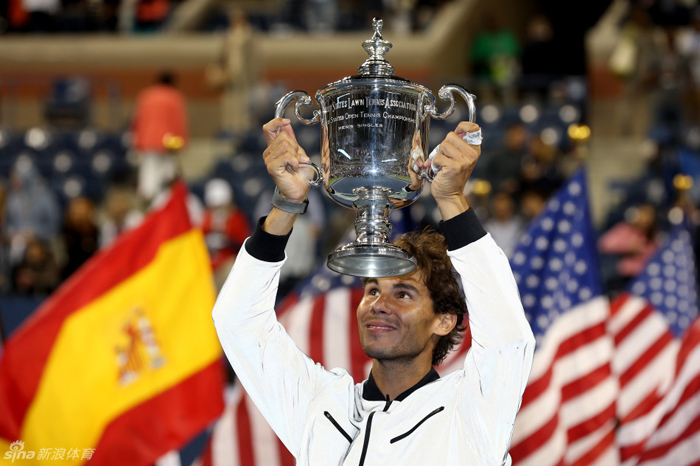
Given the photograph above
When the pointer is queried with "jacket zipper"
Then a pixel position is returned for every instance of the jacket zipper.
(388, 403)
(364, 446)
(337, 426)
(403, 436)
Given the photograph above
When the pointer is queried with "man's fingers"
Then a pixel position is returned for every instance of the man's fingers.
(283, 140)
(302, 155)
(284, 153)
(465, 127)
(274, 127)
(278, 162)
(461, 147)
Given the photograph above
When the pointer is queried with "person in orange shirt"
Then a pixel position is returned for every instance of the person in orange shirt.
(160, 129)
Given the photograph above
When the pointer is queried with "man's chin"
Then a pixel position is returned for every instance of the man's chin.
(379, 352)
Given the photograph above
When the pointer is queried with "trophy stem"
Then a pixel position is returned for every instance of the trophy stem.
(372, 255)
(372, 222)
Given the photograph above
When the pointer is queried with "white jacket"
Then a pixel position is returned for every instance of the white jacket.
(465, 418)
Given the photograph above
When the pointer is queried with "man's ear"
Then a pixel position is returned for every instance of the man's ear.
(446, 323)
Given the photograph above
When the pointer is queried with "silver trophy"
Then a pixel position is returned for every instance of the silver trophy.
(375, 125)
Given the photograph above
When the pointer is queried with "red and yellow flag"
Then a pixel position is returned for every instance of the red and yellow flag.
(122, 363)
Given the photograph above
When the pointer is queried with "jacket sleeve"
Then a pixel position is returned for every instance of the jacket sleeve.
(497, 366)
(279, 378)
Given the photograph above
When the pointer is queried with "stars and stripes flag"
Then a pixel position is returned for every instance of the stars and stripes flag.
(320, 316)
(676, 440)
(648, 321)
(567, 417)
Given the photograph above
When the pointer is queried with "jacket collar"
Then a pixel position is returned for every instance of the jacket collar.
(371, 392)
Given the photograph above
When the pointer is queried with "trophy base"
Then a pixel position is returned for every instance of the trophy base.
(371, 261)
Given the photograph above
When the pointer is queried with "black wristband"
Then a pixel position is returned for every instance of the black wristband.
(265, 246)
(461, 230)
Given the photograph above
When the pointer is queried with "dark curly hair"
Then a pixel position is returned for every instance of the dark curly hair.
(430, 250)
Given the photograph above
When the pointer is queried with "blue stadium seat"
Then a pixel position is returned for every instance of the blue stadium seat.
(69, 102)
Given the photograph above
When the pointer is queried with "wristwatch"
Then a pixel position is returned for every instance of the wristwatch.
(289, 206)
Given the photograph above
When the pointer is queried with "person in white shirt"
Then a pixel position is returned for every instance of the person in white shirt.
(404, 413)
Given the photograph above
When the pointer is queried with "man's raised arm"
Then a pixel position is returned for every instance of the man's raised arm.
(280, 379)
(498, 364)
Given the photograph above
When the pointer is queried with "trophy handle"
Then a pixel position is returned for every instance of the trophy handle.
(317, 180)
(447, 92)
(303, 99)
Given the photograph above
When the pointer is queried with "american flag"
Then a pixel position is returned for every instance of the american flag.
(676, 440)
(320, 316)
(648, 322)
(567, 415)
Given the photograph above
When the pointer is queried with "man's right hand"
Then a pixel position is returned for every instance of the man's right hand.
(282, 158)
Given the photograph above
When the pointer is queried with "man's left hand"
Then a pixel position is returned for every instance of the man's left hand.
(456, 160)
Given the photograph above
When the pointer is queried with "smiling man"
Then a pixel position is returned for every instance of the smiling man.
(404, 413)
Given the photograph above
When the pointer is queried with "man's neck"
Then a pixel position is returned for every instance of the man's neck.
(395, 377)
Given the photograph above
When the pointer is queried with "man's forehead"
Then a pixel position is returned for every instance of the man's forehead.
(413, 278)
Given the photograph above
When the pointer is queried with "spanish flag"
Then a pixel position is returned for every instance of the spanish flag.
(122, 363)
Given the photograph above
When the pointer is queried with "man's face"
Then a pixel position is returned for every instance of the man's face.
(396, 319)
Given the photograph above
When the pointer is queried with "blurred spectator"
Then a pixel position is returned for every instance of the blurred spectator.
(321, 16)
(502, 166)
(80, 234)
(159, 119)
(541, 167)
(689, 46)
(37, 272)
(639, 70)
(672, 86)
(495, 55)
(532, 203)
(425, 11)
(42, 14)
(634, 241)
(17, 16)
(233, 73)
(126, 13)
(120, 215)
(539, 67)
(32, 210)
(225, 227)
(400, 15)
(151, 14)
(503, 224)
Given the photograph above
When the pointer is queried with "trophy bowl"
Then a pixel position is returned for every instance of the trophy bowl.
(374, 126)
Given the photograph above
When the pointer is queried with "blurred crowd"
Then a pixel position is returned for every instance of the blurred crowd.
(80, 16)
(142, 16)
(527, 108)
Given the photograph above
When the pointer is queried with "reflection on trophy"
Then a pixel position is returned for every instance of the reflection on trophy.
(374, 127)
